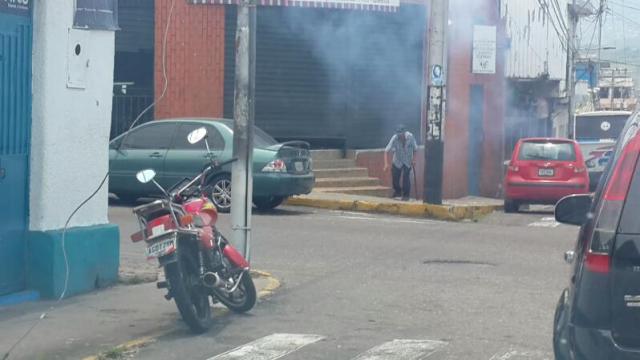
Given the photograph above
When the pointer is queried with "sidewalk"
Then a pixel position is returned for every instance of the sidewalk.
(133, 312)
(86, 325)
(469, 208)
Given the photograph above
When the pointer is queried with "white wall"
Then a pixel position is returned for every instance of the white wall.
(535, 46)
(70, 131)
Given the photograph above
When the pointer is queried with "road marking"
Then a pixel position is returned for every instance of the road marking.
(269, 347)
(402, 350)
(521, 355)
(546, 222)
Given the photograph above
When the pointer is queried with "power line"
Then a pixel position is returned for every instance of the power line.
(563, 37)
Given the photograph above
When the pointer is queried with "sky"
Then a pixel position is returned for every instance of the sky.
(621, 29)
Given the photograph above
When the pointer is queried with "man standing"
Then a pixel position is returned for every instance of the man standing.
(403, 146)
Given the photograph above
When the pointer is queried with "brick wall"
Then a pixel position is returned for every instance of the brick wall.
(194, 61)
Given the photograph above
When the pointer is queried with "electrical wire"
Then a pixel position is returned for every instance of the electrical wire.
(561, 36)
(84, 202)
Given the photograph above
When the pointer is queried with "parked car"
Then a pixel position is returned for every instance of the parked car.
(598, 314)
(280, 170)
(542, 171)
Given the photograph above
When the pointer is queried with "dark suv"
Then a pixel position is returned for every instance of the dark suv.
(598, 315)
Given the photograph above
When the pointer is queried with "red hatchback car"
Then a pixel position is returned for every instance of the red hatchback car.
(543, 171)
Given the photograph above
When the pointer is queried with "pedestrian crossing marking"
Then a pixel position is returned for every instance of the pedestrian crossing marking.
(269, 347)
(546, 222)
(402, 350)
(521, 355)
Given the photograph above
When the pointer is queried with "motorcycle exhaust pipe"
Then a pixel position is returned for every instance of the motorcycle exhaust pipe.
(211, 279)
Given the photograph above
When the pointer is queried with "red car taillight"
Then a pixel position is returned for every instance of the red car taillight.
(598, 253)
(579, 170)
(513, 168)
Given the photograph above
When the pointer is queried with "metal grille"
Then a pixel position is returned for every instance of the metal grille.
(125, 110)
(15, 91)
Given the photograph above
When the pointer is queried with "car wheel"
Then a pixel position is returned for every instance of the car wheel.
(219, 192)
(268, 202)
(511, 206)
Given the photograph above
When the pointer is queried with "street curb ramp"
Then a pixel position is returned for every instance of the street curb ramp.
(419, 210)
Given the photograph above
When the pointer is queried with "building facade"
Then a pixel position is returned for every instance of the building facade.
(56, 67)
(536, 69)
(340, 78)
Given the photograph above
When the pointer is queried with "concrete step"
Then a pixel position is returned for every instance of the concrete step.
(346, 182)
(334, 164)
(330, 154)
(336, 173)
(379, 191)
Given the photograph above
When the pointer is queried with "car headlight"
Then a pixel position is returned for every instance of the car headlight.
(275, 166)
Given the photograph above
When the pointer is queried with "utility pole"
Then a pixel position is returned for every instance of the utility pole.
(600, 18)
(571, 58)
(243, 114)
(436, 91)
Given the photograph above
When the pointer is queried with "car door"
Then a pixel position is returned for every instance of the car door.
(185, 160)
(142, 148)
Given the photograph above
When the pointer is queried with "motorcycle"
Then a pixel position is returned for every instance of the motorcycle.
(199, 263)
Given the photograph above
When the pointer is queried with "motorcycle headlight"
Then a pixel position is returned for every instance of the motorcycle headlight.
(275, 166)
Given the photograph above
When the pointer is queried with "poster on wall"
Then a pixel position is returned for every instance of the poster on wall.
(16, 7)
(484, 49)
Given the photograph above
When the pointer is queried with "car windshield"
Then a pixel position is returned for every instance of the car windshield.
(545, 150)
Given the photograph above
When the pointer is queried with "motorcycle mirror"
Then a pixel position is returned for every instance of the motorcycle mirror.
(197, 135)
(146, 176)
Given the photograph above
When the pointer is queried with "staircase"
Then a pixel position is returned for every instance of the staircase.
(335, 174)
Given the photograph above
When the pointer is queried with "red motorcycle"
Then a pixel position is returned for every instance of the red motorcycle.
(199, 263)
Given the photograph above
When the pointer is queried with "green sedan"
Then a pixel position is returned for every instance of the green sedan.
(279, 170)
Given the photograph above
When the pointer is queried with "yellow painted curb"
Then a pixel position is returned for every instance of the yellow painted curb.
(272, 285)
(438, 212)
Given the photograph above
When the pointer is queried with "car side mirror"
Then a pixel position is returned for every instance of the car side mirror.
(145, 176)
(574, 209)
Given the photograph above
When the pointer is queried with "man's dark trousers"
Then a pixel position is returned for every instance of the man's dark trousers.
(405, 172)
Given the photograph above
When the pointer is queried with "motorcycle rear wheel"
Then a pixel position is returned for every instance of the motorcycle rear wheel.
(243, 298)
(192, 302)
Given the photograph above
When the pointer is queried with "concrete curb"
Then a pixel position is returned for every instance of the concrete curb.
(133, 345)
(438, 212)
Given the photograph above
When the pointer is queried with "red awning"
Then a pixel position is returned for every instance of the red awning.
(374, 5)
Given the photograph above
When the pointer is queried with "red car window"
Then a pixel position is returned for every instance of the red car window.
(548, 151)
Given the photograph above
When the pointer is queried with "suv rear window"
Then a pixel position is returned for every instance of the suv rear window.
(545, 150)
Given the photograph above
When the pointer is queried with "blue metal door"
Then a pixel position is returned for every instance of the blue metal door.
(476, 138)
(15, 135)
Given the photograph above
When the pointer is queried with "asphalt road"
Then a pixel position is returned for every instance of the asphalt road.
(354, 283)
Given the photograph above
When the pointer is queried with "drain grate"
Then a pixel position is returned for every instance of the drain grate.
(456, 262)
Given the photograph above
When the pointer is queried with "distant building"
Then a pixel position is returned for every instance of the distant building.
(616, 90)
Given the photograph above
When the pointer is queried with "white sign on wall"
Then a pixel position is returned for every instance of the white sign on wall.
(484, 49)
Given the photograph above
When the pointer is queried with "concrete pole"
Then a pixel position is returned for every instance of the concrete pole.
(571, 82)
(436, 90)
(243, 113)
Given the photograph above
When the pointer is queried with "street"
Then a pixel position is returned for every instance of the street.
(352, 283)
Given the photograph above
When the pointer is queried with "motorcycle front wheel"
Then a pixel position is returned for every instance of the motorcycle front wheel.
(243, 298)
(192, 302)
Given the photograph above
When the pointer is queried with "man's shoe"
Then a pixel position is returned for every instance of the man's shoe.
(405, 198)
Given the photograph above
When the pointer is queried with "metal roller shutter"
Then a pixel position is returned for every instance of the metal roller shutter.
(327, 74)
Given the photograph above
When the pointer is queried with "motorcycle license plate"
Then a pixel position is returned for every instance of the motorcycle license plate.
(546, 172)
(161, 248)
(299, 166)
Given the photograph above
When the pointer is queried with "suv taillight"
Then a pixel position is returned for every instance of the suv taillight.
(615, 193)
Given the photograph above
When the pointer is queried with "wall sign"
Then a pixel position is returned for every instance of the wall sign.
(16, 7)
(484, 49)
